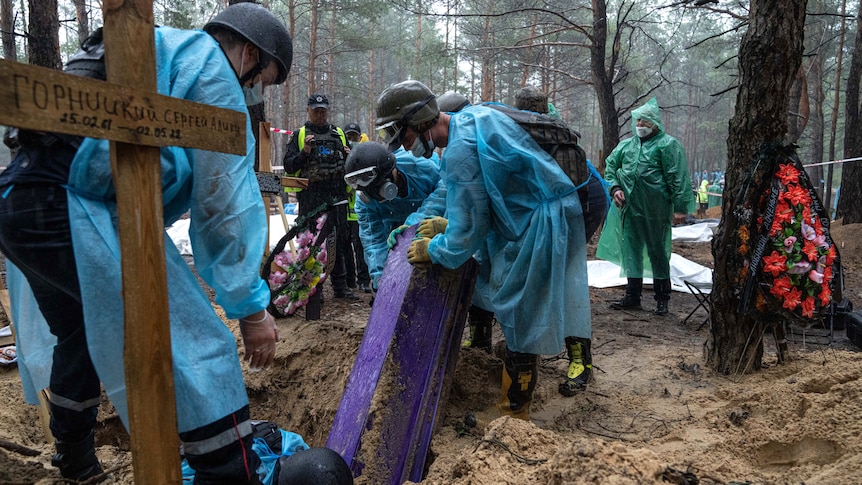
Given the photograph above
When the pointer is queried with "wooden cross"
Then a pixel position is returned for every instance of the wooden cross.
(46, 100)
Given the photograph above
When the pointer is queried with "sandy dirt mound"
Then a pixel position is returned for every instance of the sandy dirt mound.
(654, 414)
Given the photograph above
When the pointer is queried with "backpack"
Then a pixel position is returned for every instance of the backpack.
(555, 137)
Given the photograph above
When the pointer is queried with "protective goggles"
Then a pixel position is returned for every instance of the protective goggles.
(390, 131)
(361, 178)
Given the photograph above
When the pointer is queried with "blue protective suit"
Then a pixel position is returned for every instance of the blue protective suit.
(507, 194)
(227, 231)
(35, 343)
(378, 219)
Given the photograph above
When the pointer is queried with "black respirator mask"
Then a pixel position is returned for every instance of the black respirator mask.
(365, 182)
(382, 192)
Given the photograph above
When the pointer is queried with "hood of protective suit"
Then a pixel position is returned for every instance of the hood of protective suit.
(650, 112)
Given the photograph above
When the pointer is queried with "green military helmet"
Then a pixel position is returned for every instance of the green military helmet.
(452, 102)
(408, 103)
(260, 27)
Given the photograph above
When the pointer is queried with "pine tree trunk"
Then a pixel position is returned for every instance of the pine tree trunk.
(833, 127)
(602, 81)
(83, 20)
(44, 39)
(851, 174)
(817, 124)
(10, 50)
(769, 58)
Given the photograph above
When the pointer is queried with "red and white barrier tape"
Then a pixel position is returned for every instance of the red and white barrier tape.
(279, 130)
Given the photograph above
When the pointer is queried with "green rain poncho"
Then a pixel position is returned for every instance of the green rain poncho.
(653, 175)
(714, 200)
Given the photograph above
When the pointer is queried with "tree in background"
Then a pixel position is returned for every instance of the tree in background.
(7, 25)
(851, 174)
(43, 40)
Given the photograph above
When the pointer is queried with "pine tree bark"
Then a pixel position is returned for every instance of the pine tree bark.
(44, 39)
(603, 80)
(851, 174)
(769, 57)
(7, 25)
(833, 127)
(83, 18)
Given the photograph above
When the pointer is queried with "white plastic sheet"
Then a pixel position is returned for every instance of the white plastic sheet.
(604, 274)
(701, 232)
(179, 232)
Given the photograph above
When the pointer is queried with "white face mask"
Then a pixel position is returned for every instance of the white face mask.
(418, 148)
(643, 131)
(253, 95)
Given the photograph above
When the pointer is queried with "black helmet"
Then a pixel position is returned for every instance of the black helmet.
(367, 165)
(408, 103)
(260, 27)
(315, 466)
(452, 102)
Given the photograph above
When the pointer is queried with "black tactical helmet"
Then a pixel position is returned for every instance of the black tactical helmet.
(261, 28)
(452, 102)
(315, 466)
(408, 103)
(367, 165)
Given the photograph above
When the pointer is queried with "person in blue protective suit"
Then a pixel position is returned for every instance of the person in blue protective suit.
(506, 194)
(390, 187)
(649, 179)
(58, 224)
(594, 202)
(480, 320)
(357, 270)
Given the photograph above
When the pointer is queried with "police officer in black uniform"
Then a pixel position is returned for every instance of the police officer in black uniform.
(317, 151)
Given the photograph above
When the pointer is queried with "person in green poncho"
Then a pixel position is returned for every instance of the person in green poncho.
(650, 188)
(714, 195)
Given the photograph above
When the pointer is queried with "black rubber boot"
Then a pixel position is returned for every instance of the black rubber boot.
(662, 296)
(480, 321)
(519, 381)
(77, 460)
(632, 298)
(580, 366)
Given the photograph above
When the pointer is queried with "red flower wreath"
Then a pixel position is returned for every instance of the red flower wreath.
(798, 269)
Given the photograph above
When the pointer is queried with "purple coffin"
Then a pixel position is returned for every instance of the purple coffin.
(384, 423)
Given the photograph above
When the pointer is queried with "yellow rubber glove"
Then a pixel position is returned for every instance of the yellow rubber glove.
(418, 251)
(390, 241)
(431, 226)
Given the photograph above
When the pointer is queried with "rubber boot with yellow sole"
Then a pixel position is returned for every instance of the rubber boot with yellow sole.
(580, 371)
(516, 392)
(519, 380)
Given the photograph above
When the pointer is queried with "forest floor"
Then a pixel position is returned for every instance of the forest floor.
(655, 413)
